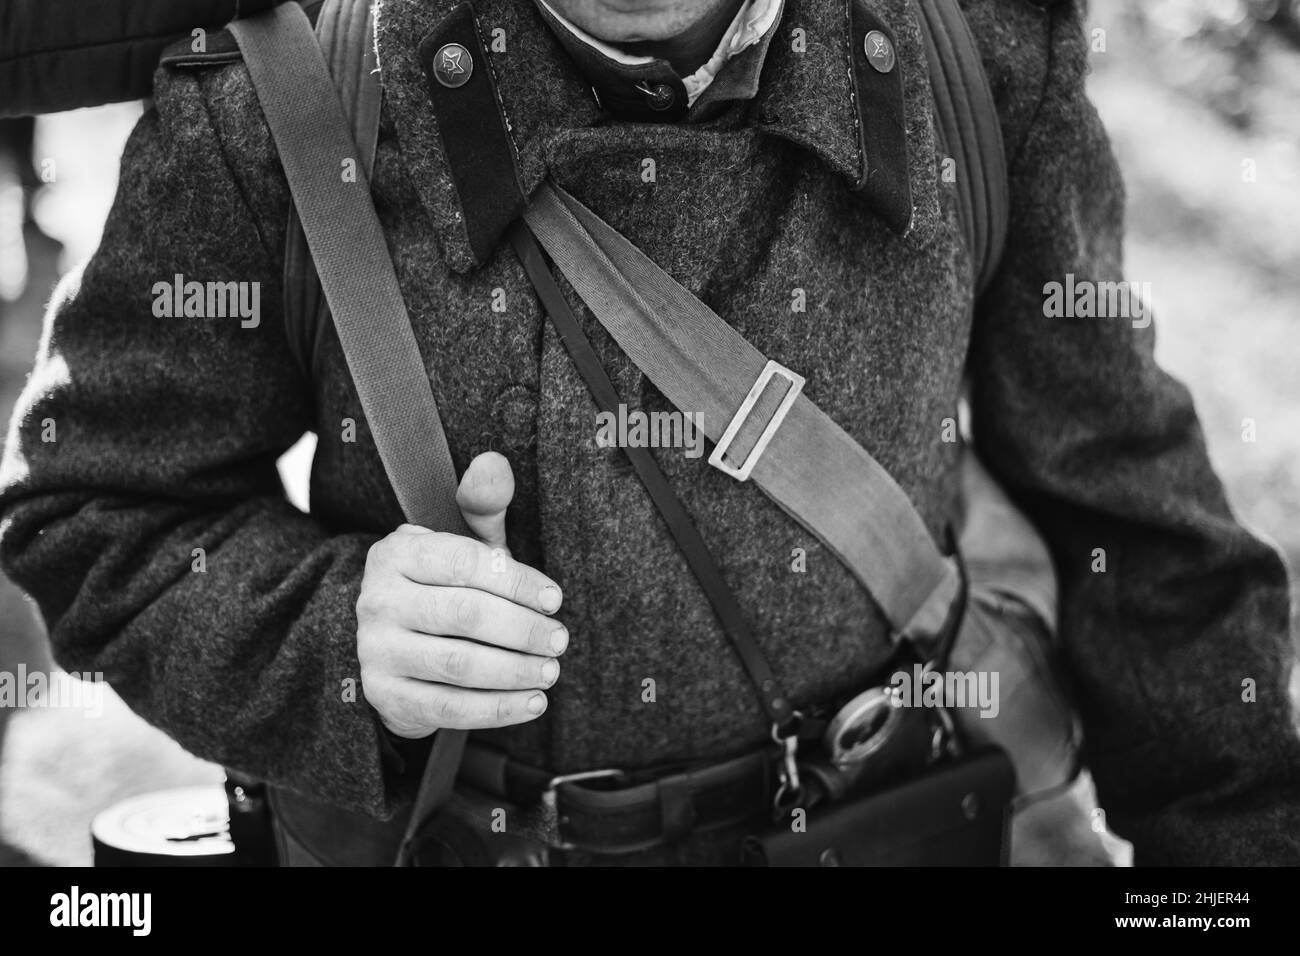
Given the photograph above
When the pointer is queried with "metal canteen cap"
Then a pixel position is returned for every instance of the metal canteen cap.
(862, 727)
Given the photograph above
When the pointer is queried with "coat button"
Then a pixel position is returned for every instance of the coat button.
(659, 96)
(880, 52)
(452, 65)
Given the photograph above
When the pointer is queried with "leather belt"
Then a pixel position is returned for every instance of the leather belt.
(631, 816)
(612, 811)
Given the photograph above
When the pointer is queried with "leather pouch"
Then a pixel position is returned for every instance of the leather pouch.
(474, 829)
(954, 815)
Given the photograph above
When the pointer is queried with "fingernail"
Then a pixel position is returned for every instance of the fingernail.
(536, 704)
(550, 671)
(559, 640)
(549, 598)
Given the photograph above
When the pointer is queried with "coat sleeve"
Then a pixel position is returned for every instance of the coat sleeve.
(1179, 647)
(65, 54)
(141, 504)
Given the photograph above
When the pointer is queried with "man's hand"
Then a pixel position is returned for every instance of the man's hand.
(452, 632)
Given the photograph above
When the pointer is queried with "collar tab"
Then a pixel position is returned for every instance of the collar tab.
(810, 95)
(833, 92)
(881, 125)
(481, 157)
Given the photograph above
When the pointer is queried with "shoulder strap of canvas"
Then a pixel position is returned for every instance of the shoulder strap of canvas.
(311, 133)
(814, 470)
(968, 127)
(970, 133)
(345, 34)
(765, 429)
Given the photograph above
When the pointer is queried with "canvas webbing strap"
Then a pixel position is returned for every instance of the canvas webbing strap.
(346, 38)
(967, 123)
(768, 431)
(735, 623)
(312, 135)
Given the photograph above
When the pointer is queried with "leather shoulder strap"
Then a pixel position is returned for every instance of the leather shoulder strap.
(970, 133)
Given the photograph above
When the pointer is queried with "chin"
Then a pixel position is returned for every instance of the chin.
(628, 21)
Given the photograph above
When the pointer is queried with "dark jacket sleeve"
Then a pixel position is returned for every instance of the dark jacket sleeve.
(65, 54)
(142, 438)
(1104, 449)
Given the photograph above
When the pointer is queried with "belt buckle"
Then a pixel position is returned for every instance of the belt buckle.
(742, 414)
(550, 802)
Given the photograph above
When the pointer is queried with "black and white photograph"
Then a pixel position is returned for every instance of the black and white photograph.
(647, 434)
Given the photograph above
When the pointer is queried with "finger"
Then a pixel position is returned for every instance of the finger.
(468, 612)
(462, 663)
(485, 492)
(413, 703)
(453, 560)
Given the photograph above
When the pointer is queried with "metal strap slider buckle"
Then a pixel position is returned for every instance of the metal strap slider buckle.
(742, 414)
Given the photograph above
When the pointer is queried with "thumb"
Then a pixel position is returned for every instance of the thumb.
(485, 490)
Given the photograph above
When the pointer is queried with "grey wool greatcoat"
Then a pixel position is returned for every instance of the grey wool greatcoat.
(168, 429)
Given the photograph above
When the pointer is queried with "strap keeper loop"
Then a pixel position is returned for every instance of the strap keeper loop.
(717, 459)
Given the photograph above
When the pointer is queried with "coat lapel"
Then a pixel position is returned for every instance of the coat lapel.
(873, 129)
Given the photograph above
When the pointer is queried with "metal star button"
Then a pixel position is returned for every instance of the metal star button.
(880, 52)
(659, 96)
(452, 65)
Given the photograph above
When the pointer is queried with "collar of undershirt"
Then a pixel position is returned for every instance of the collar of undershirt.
(642, 87)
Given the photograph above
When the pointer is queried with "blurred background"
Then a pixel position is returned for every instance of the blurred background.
(1202, 100)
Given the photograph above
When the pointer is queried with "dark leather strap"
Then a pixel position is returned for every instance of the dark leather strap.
(634, 816)
(812, 468)
(698, 557)
(981, 117)
(626, 813)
